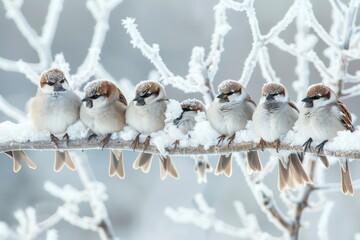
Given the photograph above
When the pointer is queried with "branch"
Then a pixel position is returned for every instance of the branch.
(96, 202)
(83, 144)
(10, 110)
(302, 203)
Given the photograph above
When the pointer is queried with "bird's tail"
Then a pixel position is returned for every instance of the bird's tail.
(254, 163)
(167, 167)
(143, 161)
(346, 182)
(292, 173)
(17, 156)
(224, 165)
(202, 166)
(63, 158)
(116, 164)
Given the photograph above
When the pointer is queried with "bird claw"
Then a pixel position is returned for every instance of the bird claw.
(176, 144)
(221, 138)
(307, 144)
(146, 143)
(231, 139)
(66, 138)
(91, 137)
(277, 145)
(105, 141)
(320, 147)
(262, 144)
(135, 142)
(54, 139)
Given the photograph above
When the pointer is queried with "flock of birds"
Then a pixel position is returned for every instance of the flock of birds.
(105, 110)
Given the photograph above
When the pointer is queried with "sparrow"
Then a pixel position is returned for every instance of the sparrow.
(103, 112)
(54, 108)
(274, 117)
(227, 114)
(186, 123)
(146, 115)
(321, 117)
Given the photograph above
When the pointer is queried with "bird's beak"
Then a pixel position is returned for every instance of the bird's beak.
(85, 99)
(139, 101)
(89, 102)
(58, 87)
(309, 102)
(269, 97)
(223, 98)
(307, 99)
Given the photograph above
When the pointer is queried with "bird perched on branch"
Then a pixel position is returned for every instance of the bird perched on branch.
(53, 109)
(274, 117)
(321, 117)
(103, 111)
(186, 123)
(146, 114)
(227, 114)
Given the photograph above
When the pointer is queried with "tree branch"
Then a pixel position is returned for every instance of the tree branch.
(83, 144)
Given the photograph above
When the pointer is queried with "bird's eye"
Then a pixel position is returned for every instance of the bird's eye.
(230, 93)
(95, 96)
(50, 83)
(147, 94)
(63, 80)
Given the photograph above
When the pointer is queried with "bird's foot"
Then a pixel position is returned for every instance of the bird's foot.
(231, 139)
(320, 147)
(307, 144)
(262, 144)
(135, 142)
(54, 139)
(221, 139)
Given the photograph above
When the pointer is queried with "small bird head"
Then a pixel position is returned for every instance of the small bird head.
(319, 95)
(231, 90)
(148, 92)
(53, 81)
(100, 93)
(274, 92)
(192, 105)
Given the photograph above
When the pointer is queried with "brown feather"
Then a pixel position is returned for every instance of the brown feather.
(249, 99)
(122, 98)
(293, 106)
(345, 117)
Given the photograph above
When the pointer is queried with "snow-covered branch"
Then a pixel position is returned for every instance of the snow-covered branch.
(83, 144)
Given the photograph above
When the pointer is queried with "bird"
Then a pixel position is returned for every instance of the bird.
(103, 112)
(275, 116)
(227, 114)
(146, 115)
(54, 108)
(321, 117)
(186, 123)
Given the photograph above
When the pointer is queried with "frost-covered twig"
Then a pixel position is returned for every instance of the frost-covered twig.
(204, 217)
(265, 199)
(302, 203)
(96, 198)
(83, 144)
(11, 111)
(100, 10)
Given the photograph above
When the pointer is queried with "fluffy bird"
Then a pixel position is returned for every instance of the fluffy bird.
(53, 109)
(274, 117)
(321, 117)
(227, 114)
(103, 112)
(146, 114)
(186, 123)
